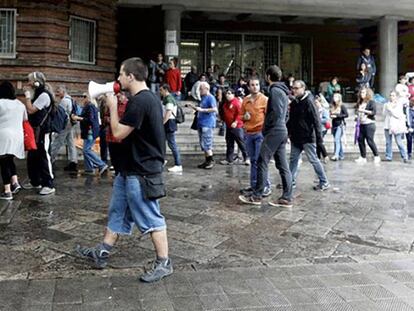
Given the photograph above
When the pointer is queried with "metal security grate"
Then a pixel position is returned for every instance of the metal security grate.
(82, 40)
(7, 33)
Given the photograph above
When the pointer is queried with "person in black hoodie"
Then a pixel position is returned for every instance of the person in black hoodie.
(305, 132)
(39, 164)
(274, 142)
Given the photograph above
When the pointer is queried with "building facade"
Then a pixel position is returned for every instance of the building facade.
(74, 42)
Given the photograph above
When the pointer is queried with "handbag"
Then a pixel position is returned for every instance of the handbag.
(29, 137)
(194, 125)
(152, 186)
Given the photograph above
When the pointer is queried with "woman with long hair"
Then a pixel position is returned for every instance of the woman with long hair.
(366, 111)
(363, 78)
(338, 114)
(12, 114)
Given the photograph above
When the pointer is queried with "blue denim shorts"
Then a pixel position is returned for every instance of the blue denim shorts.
(205, 135)
(128, 207)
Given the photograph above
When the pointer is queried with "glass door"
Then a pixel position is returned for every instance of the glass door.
(295, 57)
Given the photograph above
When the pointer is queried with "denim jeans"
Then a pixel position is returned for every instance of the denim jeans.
(337, 133)
(205, 135)
(155, 88)
(409, 144)
(176, 96)
(235, 135)
(128, 207)
(274, 145)
(253, 144)
(91, 159)
(173, 147)
(310, 151)
(388, 145)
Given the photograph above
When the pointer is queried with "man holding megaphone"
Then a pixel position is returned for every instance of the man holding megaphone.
(139, 183)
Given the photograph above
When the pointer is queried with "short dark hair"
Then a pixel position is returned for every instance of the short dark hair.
(230, 90)
(166, 87)
(274, 73)
(136, 67)
(222, 75)
(7, 90)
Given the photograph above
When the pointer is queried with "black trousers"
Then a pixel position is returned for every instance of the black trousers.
(39, 164)
(274, 145)
(8, 168)
(320, 148)
(367, 132)
(235, 135)
(115, 152)
(103, 146)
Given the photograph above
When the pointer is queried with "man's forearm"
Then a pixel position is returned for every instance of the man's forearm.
(114, 120)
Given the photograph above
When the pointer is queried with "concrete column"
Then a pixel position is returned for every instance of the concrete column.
(388, 45)
(172, 22)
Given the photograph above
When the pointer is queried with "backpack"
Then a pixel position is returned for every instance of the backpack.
(180, 117)
(58, 119)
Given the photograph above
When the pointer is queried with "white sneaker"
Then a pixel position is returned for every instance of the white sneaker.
(377, 159)
(361, 160)
(176, 169)
(247, 162)
(47, 191)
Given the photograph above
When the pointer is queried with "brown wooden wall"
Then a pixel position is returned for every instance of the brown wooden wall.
(43, 42)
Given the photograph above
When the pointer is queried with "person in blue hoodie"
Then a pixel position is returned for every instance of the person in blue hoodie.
(89, 125)
(274, 142)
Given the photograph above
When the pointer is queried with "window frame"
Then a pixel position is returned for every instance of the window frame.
(13, 54)
(74, 17)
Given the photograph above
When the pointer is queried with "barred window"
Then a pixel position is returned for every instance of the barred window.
(7, 33)
(82, 40)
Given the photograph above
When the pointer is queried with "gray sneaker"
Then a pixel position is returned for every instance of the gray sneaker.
(157, 272)
(47, 191)
(322, 187)
(29, 186)
(6, 196)
(98, 257)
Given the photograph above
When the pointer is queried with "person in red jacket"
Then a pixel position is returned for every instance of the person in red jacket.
(234, 128)
(173, 78)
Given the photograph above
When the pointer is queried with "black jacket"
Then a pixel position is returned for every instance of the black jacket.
(277, 109)
(304, 125)
(340, 117)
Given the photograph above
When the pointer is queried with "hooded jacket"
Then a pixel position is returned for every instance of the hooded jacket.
(304, 125)
(277, 109)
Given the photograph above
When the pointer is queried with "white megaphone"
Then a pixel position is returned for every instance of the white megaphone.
(96, 89)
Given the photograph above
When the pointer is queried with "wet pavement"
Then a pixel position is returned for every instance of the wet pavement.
(349, 248)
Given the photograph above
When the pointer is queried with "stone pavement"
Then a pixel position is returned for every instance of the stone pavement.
(345, 249)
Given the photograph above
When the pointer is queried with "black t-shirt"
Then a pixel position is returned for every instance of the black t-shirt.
(146, 144)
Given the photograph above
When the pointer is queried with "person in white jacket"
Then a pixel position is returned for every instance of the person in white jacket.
(394, 126)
